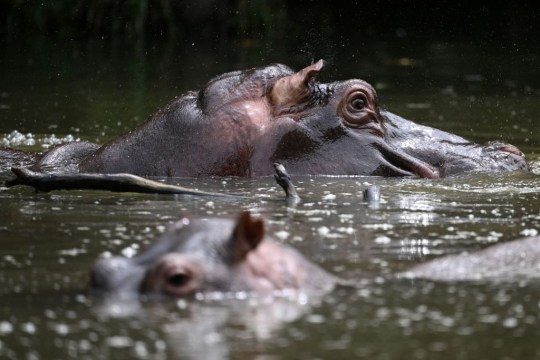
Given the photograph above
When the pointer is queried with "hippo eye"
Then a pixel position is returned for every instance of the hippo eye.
(358, 103)
(178, 280)
(358, 109)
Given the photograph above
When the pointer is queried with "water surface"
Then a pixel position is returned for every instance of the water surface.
(49, 241)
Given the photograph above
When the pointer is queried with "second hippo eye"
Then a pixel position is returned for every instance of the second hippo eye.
(178, 280)
(358, 103)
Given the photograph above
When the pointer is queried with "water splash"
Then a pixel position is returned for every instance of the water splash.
(16, 138)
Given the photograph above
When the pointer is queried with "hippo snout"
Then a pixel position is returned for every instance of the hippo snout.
(494, 156)
(506, 157)
(116, 275)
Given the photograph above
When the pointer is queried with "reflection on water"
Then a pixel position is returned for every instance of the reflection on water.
(49, 242)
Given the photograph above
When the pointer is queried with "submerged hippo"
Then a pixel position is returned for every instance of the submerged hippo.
(197, 256)
(220, 255)
(242, 122)
(518, 259)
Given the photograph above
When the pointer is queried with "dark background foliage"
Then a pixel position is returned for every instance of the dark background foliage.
(146, 21)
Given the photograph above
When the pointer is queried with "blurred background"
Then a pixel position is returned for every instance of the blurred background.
(98, 67)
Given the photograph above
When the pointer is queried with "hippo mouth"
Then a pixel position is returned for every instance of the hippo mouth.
(399, 164)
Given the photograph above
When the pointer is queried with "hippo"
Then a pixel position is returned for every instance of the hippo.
(517, 259)
(222, 255)
(206, 256)
(242, 122)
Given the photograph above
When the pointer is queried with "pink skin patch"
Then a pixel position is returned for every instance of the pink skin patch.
(512, 150)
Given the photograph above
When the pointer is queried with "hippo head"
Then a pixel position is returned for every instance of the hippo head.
(216, 255)
(335, 129)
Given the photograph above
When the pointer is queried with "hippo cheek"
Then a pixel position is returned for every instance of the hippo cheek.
(267, 269)
(116, 276)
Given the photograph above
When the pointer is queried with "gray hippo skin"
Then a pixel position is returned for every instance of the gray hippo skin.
(242, 122)
(216, 255)
(507, 261)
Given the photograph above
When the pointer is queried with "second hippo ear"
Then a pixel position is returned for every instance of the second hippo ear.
(247, 235)
(293, 89)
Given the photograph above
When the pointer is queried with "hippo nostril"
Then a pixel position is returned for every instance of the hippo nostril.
(512, 150)
(178, 280)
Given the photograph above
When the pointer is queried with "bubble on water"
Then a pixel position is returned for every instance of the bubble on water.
(61, 329)
(130, 251)
(282, 235)
(489, 318)
(29, 328)
(378, 226)
(364, 293)
(105, 232)
(529, 232)
(29, 142)
(329, 197)
(16, 138)
(85, 345)
(510, 322)
(382, 313)
(447, 321)
(241, 295)
(72, 252)
(11, 259)
(50, 314)
(140, 349)
(315, 319)
(212, 338)
(323, 230)
(105, 255)
(5, 327)
(346, 217)
(382, 240)
(120, 228)
(119, 341)
(181, 304)
(160, 345)
(347, 230)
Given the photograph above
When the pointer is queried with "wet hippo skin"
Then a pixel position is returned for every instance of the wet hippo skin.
(513, 260)
(215, 255)
(242, 122)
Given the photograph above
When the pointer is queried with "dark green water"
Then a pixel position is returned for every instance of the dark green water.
(49, 241)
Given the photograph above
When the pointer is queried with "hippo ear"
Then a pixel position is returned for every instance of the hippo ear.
(293, 89)
(247, 235)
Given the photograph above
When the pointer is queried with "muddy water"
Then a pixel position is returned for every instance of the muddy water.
(49, 241)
